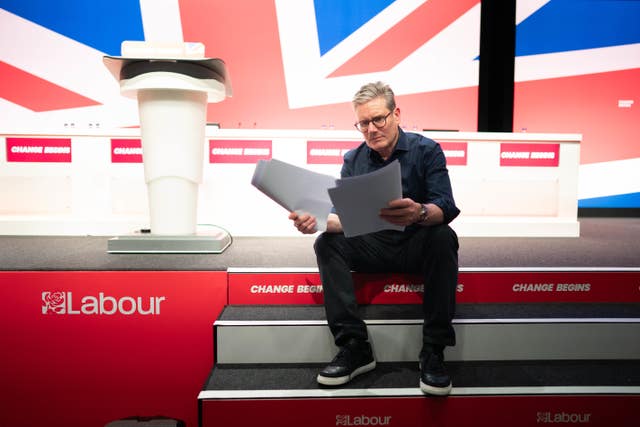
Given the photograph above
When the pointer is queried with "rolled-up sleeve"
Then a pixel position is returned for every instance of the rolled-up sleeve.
(438, 183)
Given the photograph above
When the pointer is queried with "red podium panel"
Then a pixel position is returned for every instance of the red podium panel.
(494, 286)
(477, 411)
(86, 348)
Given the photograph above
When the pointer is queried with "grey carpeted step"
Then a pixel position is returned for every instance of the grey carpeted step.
(401, 378)
(299, 334)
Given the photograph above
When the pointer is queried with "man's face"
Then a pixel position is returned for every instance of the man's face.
(381, 139)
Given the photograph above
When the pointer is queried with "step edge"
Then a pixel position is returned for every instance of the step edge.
(247, 270)
(546, 320)
(410, 392)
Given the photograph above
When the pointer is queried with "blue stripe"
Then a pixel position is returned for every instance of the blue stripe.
(564, 25)
(337, 19)
(631, 200)
(101, 24)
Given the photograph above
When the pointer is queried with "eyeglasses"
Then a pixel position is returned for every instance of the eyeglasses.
(378, 122)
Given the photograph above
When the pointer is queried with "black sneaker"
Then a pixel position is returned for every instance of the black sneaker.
(353, 359)
(434, 378)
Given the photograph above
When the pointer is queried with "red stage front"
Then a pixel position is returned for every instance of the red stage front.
(86, 348)
(477, 411)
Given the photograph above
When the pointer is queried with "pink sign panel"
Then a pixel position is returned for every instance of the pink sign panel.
(126, 151)
(529, 154)
(455, 153)
(239, 151)
(39, 150)
(328, 152)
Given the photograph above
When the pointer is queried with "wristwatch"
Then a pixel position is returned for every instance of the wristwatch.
(423, 213)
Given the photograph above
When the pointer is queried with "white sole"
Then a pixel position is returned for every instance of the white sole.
(435, 391)
(334, 381)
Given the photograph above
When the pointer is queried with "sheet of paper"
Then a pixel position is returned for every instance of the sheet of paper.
(295, 189)
(358, 200)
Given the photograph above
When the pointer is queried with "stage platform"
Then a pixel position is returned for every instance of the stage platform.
(603, 242)
(546, 330)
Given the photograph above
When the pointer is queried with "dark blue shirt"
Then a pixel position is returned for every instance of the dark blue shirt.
(425, 178)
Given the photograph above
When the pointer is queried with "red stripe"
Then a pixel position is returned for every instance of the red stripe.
(406, 37)
(474, 287)
(36, 94)
(586, 104)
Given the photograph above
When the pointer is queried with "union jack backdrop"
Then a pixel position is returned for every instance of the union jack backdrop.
(295, 64)
(578, 70)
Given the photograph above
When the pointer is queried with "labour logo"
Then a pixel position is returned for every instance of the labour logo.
(53, 302)
(58, 302)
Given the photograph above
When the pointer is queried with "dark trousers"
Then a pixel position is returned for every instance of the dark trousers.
(429, 251)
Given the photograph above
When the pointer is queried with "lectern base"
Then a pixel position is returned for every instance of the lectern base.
(210, 240)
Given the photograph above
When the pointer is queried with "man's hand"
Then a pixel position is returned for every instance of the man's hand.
(305, 223)
(406, 212)
(401, 212)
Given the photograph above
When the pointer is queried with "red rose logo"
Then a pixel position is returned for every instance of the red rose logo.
(53, 302)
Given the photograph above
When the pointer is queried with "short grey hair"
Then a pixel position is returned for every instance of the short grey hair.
(372, 91)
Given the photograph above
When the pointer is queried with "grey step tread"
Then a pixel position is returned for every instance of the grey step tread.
(268, 313)
(616, 374)
(299, 334)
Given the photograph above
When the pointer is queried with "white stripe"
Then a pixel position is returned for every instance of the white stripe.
(270, 270)
(285, 270)
(622, 177)
(577, 62)
(254, 323)
(10, 113)
(54, 57)
(548, 269)
(371, 30)
(570, 63)
(409, 392)
(161, 20)
(457, 70)
(550, 320)
(487, 321)
(118, 112)
(526, 8)
(456, 45)
(467, 391)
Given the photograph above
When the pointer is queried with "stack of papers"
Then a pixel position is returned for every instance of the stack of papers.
(357, 200)
(295, 189)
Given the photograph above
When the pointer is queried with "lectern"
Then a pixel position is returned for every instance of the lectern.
(173, 84)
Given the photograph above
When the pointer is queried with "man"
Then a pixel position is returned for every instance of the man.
(427, 246)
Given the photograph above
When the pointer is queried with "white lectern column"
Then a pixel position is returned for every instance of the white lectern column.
(172, 99)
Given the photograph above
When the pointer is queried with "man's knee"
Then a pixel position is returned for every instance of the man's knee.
(326, 242)
(443, 236)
